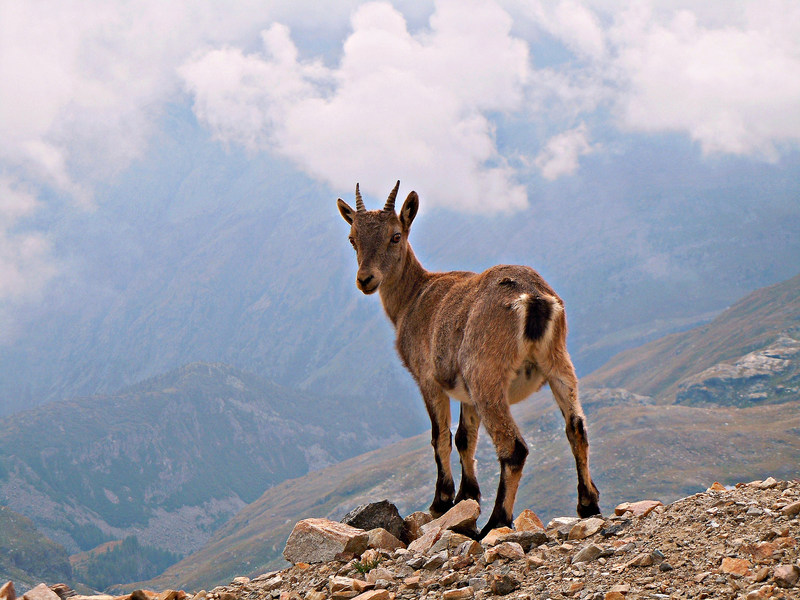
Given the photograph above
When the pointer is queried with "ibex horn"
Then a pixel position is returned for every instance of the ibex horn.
(359, 202)
(391, 198)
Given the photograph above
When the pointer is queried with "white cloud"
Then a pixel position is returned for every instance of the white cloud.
(84, 87)
(397, 106)
(384, 99)
(562, 152)
(734, 89)
(575, 24)
(25, 257)
(90, 79)
(725, 74)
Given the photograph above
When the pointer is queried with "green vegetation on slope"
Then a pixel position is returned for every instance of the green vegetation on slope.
(173, 458)
(122, 563)
(26, 556)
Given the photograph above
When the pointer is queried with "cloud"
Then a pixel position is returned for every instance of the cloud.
(728, 76)
(561, 153)
(85, 86)
(398, 105)
(25, 257)
(91, 80)
(733, 89)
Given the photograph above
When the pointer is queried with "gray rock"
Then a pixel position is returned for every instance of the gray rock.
(320, 540)
(526, 539)
(747, 381)
(504, 584)
(478, 583)
(436, 561)
(381, 514)
(588, 554)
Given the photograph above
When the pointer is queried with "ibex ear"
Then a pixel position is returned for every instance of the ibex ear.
(347, 212)
(409, 210)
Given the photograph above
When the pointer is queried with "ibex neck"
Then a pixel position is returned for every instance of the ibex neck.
(398, 294)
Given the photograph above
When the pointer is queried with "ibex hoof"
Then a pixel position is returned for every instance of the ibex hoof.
(439, 507)
(589, 510)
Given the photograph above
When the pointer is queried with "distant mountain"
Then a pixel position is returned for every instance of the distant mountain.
(202, 253)
(756, 322)
(26, 556)
(171, 459)
(642, 446)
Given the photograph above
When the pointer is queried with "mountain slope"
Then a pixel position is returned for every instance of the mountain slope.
(637, 451)
(171, 459)
(752, 323)
(26, 556)
(640, 448)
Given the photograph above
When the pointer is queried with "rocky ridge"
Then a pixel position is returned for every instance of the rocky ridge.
(742, 542)
(770, 374)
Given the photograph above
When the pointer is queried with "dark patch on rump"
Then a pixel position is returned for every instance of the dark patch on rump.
(539, 312)
(448, 383)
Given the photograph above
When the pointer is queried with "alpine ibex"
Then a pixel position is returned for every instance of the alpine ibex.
(488, 340)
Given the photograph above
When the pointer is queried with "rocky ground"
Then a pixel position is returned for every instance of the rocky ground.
(723, 543)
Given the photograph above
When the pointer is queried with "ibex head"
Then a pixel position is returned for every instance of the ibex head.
(380, 238)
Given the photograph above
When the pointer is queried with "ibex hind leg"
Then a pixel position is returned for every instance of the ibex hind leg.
(438, 405)
(564, 385)
(511, 449)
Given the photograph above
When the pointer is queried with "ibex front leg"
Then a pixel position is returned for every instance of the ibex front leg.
(438, 405)
(467, 443)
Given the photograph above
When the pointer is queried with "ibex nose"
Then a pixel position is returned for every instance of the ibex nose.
(365, 280)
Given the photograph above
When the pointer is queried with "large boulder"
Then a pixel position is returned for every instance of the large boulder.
(381, 514)
(321, 540)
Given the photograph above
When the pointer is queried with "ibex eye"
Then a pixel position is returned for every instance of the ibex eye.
(396, 238)
(352, 242)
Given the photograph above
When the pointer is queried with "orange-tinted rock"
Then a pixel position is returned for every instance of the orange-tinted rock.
(40, 592)
(585, 528)
(495, 535)
(735, 566)
(7, 592)
(639, 509)
(761, 550)
(414, 523)
(528, 520)
(462, 516)
(509, 550)
(383, 540)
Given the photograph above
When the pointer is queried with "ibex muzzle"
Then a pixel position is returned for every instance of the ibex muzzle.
(486, 339)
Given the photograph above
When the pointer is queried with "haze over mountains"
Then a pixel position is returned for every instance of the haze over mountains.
(246, 263)
(177, 293)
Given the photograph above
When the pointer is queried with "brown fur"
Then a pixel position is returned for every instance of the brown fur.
(487, 339)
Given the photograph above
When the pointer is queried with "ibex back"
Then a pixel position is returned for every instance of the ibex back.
(486, 339)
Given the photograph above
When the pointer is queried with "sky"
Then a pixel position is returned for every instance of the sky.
(376, 91)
